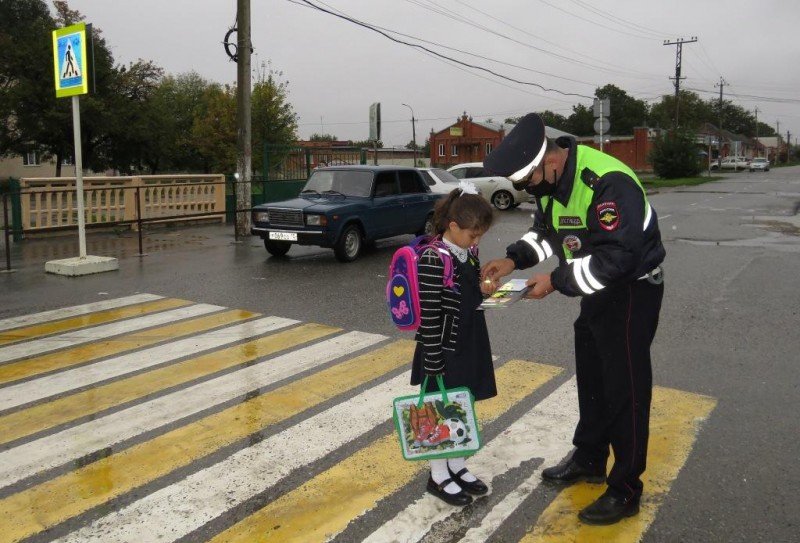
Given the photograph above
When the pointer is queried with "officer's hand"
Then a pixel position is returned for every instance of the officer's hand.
(539, 286)
(495, 270)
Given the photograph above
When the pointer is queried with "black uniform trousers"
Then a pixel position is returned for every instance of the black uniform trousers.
(613, 335)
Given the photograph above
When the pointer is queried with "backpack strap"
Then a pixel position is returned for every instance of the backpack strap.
(422, 243)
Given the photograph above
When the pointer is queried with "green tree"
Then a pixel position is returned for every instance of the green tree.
(581, 122)
(675, 154)
(322, 137)
(274, 122)
(554, 120)
(213, 133)
(626, 111)
(693, 111)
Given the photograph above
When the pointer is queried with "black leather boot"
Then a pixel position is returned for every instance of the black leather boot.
(569, 471)
(609, 509)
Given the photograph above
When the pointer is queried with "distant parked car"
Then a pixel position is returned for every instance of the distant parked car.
(759, 164)
(438, 180)
(343, 207)
(498, 190)
(734, 163)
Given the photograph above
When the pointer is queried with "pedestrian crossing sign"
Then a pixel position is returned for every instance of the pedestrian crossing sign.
(70, 60)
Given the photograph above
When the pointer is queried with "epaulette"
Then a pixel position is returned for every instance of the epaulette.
(589, 178)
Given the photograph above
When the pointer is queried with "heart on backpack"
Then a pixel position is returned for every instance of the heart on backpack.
(398, 291)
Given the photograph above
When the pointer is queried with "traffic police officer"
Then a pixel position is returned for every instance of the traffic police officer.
(595, 216)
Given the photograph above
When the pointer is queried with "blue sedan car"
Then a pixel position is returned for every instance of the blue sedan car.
(343, 207)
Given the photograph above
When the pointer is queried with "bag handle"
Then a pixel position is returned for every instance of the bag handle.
(424, 387)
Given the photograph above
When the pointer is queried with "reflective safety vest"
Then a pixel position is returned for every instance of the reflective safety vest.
(570, 221)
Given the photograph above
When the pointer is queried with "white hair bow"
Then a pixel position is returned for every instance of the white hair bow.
(467, 187)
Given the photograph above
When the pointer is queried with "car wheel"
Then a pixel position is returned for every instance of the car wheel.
(502, 200)
(349, 244)
(429, 228)
(277, 248)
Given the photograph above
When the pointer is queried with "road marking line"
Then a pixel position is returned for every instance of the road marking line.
(94, 400)
(544, 431)
(57, 383)
(322, 507)
(73, 443)
(78, 323)
(174, 511)
(84, 351)
(70, 339)
(66, 312)
(78, 491)
(675, 420)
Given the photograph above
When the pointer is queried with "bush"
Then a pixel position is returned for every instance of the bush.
(675, 154)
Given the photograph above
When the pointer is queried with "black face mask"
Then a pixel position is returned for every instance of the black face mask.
(542, 189)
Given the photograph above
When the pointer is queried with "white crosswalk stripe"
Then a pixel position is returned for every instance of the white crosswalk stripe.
(74, 311)
(79, 337)
(50, 385)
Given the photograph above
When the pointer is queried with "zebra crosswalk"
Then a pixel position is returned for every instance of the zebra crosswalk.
(147, 419)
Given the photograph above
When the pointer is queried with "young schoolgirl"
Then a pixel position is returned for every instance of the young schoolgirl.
(452, 339)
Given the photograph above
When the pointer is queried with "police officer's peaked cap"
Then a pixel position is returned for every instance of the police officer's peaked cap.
(520, 151)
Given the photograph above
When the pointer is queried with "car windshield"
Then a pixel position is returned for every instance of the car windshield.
(445, 176)
(759, 160)
(347, 182)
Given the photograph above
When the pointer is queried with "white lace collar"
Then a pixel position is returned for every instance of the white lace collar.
(459, 252)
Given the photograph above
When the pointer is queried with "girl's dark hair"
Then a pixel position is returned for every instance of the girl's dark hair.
(469, 211)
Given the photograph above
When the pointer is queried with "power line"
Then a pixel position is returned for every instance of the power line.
(619, 20)
(595, 23)
(460, 18)
(490, 16)
(423, 48)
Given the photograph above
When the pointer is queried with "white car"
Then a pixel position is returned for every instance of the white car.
(759, 164)
(438, 180)
(498, 190)
(734, 163)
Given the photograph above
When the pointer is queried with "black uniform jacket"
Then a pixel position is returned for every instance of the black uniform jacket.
(625, 253)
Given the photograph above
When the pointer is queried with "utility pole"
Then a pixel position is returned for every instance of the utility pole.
(788, 144)
(413, 133)
(678, 53)
(757, 150)
(721, 86)
(244, 150)
(778, 151)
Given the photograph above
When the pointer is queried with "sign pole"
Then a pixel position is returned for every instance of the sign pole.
(76, 131)
(71, 68)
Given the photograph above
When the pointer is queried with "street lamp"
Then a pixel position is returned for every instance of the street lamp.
(413, 133)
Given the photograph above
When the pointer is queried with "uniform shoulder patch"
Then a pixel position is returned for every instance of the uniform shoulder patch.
(589, 177)
(608, 216)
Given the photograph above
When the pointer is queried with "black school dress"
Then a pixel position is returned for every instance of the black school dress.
(470, 365)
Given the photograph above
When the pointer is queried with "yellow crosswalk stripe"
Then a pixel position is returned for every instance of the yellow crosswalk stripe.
(86, 353)
(45, 505)
(674, 423)
(74, 406)
(92, 319)
(324, 505)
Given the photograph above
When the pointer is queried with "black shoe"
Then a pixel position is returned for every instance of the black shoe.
(609, 509)
(437, 489)
(476, 487)
(569, 471)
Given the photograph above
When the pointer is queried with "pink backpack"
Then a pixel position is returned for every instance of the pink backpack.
(402, 288)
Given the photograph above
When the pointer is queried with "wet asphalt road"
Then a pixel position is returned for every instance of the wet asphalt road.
(729, 326)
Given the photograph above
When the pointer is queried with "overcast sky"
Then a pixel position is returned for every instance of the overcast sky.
(336, 69)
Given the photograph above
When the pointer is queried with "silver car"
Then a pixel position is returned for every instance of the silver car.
(761, 164)
(498, 190)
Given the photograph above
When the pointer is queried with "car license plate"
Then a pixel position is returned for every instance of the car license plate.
(283, 236)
